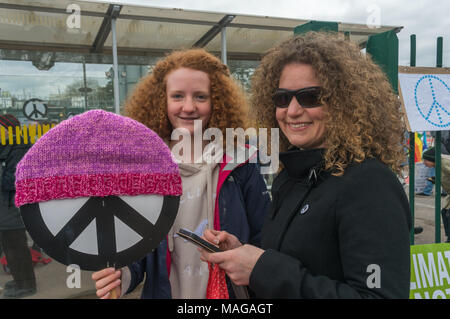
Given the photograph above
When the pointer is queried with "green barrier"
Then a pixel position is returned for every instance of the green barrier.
(383, 47)
(430, 271)
(316, 26)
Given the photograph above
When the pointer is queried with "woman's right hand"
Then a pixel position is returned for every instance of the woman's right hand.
(224, 240)
(108, 283)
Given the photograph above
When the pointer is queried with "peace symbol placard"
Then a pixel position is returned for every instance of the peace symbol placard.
(100, 232)
(425, 94)
(35, 109)
(98, 190)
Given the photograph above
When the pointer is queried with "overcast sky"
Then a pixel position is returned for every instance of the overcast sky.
(428, 19)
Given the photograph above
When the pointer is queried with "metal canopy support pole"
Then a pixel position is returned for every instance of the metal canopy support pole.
(412, 148)
(437, 187)
(85, 84)
(211, 34)
(105, 28)
(224, 45)
(115, 66)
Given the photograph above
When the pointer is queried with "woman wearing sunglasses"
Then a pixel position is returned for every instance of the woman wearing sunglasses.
(339, 223)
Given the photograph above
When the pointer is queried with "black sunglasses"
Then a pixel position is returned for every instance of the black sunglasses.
(306, 97)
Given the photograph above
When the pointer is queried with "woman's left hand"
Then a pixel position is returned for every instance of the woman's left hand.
(238, 263)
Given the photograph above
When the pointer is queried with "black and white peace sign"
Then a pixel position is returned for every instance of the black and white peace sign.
(99, 232)
(35, 109)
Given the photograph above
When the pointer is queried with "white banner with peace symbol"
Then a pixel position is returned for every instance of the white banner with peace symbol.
(426, 98)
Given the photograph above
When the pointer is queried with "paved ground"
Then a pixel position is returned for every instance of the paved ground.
(52, 278)
(52, 283)
(425, 217)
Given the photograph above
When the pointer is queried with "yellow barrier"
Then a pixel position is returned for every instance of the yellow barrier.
(26, 134)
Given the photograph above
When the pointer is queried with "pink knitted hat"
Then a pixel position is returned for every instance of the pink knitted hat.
(96, 153)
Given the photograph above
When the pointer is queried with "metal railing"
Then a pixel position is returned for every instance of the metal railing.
(437, 142)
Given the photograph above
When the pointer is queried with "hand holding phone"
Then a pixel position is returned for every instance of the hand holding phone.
(197, 240)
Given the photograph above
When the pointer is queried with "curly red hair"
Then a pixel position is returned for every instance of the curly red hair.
(148, 102)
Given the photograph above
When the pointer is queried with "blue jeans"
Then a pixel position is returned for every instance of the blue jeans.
(429, 187)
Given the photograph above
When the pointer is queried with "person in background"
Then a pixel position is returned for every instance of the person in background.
(428, 189)
(13, 234)
(187, 86)
(340, 222)
(429, 160)
(445, 149)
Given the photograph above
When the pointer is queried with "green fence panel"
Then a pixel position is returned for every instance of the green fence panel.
(316, 26)
(383, 48)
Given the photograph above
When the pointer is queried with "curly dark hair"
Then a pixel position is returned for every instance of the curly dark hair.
(148, 102)
(364, 117)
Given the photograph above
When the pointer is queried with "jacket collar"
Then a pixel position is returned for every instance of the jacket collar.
(303, 163)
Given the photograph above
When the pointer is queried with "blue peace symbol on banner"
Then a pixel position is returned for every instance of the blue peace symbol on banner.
(429, 104)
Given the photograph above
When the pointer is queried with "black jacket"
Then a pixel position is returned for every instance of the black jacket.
(10, 155)
(334, 237)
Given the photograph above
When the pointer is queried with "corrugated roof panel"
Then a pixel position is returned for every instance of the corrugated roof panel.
(267, 21)
(156, 35)
(171, 13)
(60, 4)
(39, 24)
(245, 40)
(45, 28)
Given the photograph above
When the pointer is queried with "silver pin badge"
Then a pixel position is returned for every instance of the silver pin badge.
(304, 209)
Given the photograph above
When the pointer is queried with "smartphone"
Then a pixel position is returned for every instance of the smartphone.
(241, 292)
(196, 240)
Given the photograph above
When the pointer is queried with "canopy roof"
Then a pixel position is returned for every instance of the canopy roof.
(145, 30)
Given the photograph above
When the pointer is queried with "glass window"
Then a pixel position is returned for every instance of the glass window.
(242, 70)
(67, 83)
